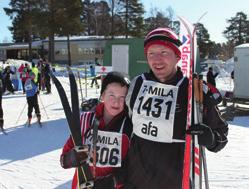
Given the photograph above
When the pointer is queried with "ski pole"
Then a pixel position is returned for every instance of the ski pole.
(85, 80)
(203, 154)
(95, 140)
(80, 87)
(43, 106)
(21, 113)
(197, 179)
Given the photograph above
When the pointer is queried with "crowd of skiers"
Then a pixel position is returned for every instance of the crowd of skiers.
(33, 79)
(142, 126)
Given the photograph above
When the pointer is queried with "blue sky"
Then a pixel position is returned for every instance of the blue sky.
(218, 11)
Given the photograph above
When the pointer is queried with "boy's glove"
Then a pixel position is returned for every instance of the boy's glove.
(205, 134)
(75, 157)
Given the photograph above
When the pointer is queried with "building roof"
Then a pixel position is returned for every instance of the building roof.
(212, 61)
(245, 45)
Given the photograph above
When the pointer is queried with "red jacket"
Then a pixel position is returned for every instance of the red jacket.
(23, 73)
(114, 126)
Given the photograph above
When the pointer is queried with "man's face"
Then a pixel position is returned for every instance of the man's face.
(162, 62)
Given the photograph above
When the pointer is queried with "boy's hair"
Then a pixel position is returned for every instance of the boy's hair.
(114, 77)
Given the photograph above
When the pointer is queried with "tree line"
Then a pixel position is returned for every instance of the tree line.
(40, 19)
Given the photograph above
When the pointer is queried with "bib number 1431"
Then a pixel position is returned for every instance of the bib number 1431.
(153, 107)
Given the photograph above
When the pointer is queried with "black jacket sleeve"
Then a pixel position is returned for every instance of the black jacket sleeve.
(212, 118)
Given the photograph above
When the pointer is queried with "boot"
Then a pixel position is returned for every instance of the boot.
(29, 121)
(39, 119)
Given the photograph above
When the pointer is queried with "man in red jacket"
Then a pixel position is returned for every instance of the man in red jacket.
(24, 75)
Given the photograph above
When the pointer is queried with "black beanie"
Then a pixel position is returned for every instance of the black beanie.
(114, 77)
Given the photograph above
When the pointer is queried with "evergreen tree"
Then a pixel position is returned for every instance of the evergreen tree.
(87, 13)
(101, 18)
(22, 13)
(203, 40)
(157, 19)
(117, 22)
(68, 13)
(132, 17)
(238, 30)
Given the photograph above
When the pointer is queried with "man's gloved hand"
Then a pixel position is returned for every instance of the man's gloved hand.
(75, 157)
(205, 134)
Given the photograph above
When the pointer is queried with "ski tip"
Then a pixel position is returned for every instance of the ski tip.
(4, 132)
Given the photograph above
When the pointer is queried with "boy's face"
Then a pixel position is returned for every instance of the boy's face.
(162, 61)
(114, 98)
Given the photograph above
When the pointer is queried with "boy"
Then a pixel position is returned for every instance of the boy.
(32, 99)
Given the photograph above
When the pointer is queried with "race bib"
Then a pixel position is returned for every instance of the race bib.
(108, 149)
(154, 111)
(23, 74)
(28, 85)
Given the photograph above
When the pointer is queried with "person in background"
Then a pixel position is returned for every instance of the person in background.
(14, 78)
(32, 99)
(211, 77)
(7, 83)
(35, 70)
(23, 70)
(94, 79)
(158, 102)
(1, 94)
(39, 76)
(232, 74)
(46, 71)
(113, 122)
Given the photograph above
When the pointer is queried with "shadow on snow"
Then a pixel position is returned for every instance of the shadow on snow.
(24, 142)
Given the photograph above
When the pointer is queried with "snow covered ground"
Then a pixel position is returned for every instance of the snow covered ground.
(29, 157)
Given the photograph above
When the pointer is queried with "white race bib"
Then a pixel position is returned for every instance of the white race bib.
(28, 85)
(108, 148)
(23, 74)
(154, 111)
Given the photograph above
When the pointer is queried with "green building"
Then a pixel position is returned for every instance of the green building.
(126, 55)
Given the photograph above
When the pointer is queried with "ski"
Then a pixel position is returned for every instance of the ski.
(187, 179)
(3, 131)
(40, 124)
(82, 172)
(194, 153)
(191, 166)
(85, 179)
(27, 124)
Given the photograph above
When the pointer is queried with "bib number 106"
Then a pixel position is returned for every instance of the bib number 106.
(106, 156)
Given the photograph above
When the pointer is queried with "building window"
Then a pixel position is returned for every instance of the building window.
(86, 51)
(63, 51)
(80, 50)
(92, 51)
(97, 51)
